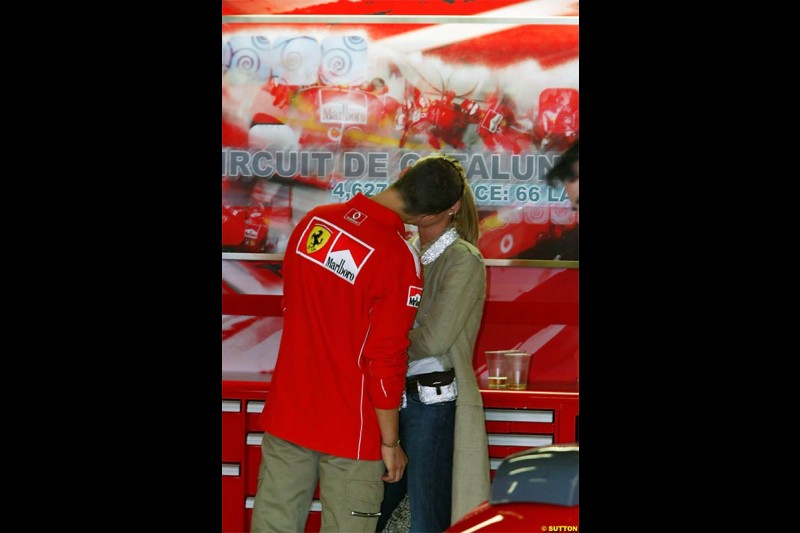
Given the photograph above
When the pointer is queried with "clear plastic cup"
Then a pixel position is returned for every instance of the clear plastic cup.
(496, 368)
(517, 365)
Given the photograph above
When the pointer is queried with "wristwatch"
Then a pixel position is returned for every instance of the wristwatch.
(393, 445)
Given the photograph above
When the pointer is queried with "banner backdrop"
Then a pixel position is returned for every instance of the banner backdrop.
(316, 113)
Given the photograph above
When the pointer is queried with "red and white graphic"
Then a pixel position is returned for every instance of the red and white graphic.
(500, 82)
(334, 249)
(558, 121)
(355, 216)
(414, 296)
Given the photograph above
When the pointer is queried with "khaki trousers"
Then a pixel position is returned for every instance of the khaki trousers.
(286, 481)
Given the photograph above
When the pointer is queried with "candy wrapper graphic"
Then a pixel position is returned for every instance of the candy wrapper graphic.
(296, 60)
(344, 60)
(246, 59)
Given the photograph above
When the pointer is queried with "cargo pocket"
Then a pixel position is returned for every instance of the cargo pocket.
(364, 498)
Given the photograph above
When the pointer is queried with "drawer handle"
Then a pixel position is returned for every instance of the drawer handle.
(255, 406)
(230, 469)
(519, 415)
(254, 439)
(231, 406)
(519, 440)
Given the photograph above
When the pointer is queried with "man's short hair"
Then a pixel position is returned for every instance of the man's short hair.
(562, 171)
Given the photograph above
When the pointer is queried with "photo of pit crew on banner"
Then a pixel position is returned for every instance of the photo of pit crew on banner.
(316, 113)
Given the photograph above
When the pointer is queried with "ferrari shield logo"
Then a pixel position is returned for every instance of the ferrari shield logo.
(317, 238)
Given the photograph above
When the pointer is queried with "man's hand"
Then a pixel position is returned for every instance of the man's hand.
(395, 460)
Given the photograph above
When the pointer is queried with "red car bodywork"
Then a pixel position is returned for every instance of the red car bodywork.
(518, 517)
(532, 490)
(521, 517)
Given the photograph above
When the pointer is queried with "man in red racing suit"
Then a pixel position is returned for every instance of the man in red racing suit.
(352, 286)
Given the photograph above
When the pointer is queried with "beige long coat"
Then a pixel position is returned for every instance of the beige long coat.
(449, 317)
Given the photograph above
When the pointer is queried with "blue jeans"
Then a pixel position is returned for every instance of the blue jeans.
(426, 434)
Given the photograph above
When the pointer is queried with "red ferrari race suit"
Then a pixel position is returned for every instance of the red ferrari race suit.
(352, 286)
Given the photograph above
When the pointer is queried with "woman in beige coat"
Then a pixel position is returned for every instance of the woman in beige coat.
(442, 424)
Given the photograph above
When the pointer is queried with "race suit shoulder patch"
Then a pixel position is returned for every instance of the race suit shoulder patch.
(334, 249)
(414, 296)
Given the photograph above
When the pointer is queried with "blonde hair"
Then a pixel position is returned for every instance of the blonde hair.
(466, 220)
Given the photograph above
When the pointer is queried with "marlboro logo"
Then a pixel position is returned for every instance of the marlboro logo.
(338, 108)
(337, 251)
(414, 296)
